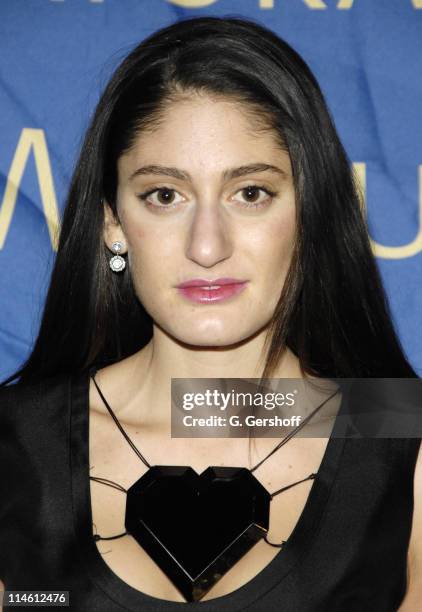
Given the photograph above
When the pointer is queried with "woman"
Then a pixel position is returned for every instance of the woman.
(211, 155)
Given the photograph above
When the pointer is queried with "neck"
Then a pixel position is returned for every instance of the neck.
(148, 373)
(166, 357)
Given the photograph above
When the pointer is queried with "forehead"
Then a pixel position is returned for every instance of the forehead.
(202, 132)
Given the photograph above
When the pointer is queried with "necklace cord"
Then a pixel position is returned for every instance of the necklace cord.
(108, 482)
(273, 544)
(141, 457)
(293, 432)
(97, 537)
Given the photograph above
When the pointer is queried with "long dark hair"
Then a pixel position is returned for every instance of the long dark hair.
(333, 312)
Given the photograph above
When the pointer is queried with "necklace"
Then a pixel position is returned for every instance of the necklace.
(194, 526)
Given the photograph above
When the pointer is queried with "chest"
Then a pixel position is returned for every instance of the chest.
(112, 458)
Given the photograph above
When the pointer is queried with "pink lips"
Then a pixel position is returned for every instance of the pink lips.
(205, 291)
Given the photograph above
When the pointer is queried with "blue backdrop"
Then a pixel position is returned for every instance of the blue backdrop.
(57, 55)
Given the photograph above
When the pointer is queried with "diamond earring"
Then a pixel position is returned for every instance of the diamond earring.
(117, 263)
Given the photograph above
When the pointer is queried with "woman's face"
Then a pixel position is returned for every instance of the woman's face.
(195, 202)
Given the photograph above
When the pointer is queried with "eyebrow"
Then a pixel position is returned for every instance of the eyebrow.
(228, 174)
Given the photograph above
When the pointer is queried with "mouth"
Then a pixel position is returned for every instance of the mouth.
(203, 291)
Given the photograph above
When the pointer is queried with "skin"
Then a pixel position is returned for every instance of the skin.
(208, 233)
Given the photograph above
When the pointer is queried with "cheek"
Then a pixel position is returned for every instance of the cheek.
(150, 254)
(272, 245)
(275, 257)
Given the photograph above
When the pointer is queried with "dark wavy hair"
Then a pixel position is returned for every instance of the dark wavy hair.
(333, 312)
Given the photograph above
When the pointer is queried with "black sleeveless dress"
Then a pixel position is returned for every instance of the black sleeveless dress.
(347, 552)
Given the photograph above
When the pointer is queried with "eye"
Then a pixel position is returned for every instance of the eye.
(165, 197)
(251, 193)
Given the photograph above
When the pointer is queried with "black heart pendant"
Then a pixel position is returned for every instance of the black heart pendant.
(196, 527)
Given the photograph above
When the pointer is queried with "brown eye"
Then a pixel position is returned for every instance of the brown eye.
(165, 196)
(160, 198)
(251, 193)
(255, 196)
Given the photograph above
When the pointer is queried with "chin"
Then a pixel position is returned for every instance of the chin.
(222, 338)
(209, 331)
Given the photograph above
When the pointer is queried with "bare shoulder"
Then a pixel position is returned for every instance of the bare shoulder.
(414, 591)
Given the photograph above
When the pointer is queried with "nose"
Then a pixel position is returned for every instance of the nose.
(208, 238)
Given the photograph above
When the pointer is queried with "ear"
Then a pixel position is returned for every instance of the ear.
(113, 231)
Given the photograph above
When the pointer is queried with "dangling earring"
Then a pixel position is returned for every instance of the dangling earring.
(117, 263)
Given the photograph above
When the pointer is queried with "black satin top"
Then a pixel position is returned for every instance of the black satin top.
(347, 552)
